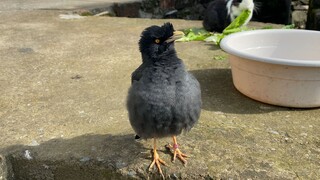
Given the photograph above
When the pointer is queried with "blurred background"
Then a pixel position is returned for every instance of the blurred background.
(271, 11)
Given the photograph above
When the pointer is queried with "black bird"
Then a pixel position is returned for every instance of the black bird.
(164, 99)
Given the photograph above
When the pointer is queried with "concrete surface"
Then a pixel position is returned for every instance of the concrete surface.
(63, 85)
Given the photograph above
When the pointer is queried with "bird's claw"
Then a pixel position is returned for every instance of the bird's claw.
(157, 161)
(177, 153)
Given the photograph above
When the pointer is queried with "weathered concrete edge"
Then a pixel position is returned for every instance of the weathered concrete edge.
(5, 168)
(15, 165)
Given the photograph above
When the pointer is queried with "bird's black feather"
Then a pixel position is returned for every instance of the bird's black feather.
(137, 74)
(164, 98)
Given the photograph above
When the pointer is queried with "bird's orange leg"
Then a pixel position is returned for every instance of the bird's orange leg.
(177, 152)
(156, 159)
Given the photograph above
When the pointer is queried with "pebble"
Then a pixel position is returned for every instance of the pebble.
(100, 159)
(274, 132)
(45, 166)
(132, 173)
(120, 164)
(26, 50)
(41, 131)
(173, 176)
(304, 134)
(218, 112)
(70, 16)
(104, 13)
(34, 143)
(27, 154)
(265, 107)
(85, 159)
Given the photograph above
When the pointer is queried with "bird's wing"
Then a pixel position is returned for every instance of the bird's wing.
(137, 74)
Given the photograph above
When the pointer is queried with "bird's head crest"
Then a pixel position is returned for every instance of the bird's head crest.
(156, 41)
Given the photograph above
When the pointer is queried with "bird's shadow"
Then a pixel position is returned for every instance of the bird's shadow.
(219, 94)
(76, 158)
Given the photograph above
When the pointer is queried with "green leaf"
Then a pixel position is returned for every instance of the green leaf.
(220, 57)
(200, 34)
(195, 34)
(215, 38)
(235, 25)
(267, 27)
(290, 26)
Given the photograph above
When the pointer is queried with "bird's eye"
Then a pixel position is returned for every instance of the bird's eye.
(157, 41)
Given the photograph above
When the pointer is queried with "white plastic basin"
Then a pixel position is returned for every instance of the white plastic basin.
(278, 66)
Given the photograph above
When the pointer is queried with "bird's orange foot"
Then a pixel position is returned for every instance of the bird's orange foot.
(157, 161)
(177, 153)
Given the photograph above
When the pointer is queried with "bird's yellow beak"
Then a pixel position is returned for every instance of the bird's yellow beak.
(176, 35)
